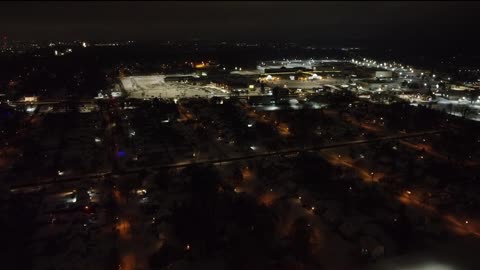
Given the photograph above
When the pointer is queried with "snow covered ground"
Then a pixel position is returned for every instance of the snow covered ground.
(306, 84)
(155, 86)
(451, 106)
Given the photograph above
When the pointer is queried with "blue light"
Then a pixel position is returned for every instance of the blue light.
(121, 154)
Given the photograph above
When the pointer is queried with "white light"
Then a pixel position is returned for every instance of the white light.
(60, 173)
(429, 266)
(141, 192)
(84, 44)
(72, 200)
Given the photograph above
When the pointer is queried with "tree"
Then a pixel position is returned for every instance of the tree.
(315, 172)
(252, 236)
(163, 257)
(473, 94)
(126, 186)
(464, 110)
(443, 89)
(300, 239)
(196, 222)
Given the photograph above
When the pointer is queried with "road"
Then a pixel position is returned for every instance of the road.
(284, 152)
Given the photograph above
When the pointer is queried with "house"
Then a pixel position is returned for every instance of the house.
(371, 248)
(280, 94)
(351, 226)
(376, 232)
(333, 215)
(348, 229)
(261, 100)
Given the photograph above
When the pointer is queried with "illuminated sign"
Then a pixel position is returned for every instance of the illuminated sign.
(31, 99)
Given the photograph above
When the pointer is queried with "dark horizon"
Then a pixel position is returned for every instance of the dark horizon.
(373, 24)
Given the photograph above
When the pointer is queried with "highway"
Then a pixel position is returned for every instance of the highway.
(284, 152)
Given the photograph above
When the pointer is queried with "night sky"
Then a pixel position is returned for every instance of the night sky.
(340, 23)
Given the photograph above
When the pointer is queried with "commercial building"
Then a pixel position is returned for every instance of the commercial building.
(373, 85)
(280, 94)
(294, 65)
(383, 74)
